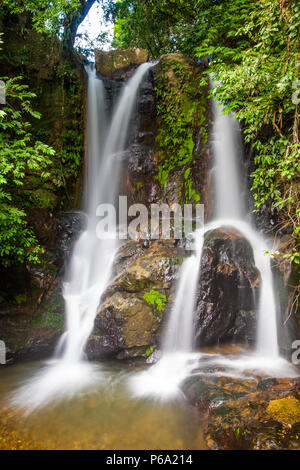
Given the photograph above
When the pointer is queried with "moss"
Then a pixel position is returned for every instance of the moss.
(43, 199)
(157, 301)
(51, 314)
(148, 351)
(285, 410)
(21, 298)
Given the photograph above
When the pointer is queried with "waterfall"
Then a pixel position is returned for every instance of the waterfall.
(92, 259)
(179, 331)
(177, 362)
(226, 146)
(229, 204)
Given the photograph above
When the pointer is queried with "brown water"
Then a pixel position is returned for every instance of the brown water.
(106, 417)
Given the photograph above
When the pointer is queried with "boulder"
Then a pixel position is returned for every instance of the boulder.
(227, 289)
(266, 418)
(126, 324)
(113, 64)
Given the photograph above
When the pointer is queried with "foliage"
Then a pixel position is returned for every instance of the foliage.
(255, 51)
(59, 17)
(85, 46)
(46, 15)
(148, 352)
(256, 78)
(20, 157)
(156, 26)
(157, 301)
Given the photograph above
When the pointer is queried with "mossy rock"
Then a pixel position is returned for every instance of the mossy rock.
(285, 410)
(43, 199)
(111, 62)
(183, 127)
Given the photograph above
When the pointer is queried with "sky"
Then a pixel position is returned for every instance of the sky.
(92, 25)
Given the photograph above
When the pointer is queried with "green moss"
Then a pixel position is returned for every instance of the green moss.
(43, 199)
(21, 298)
(148, 351)
(157, 301)
(285, 410)
(181, 107)
(51, 314)
(49, 319)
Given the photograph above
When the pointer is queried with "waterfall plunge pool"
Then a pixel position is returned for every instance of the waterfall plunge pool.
(120, 406)
(101, 416)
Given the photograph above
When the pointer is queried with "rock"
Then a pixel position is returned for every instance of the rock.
(32, 306)
(126, 325)
(285, 410)
(286, 280)
(209, 392)
(227, 289)
(113, 64)
(261, 420)
(154, 357)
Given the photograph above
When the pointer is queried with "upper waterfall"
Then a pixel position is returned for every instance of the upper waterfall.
(226, 146)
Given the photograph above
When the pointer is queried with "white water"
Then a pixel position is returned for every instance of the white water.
(226, 146)
(229, 204)
(179, 332)
(163, 379)
(92, 259)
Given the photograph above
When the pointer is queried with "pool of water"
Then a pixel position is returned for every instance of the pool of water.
(103, 415)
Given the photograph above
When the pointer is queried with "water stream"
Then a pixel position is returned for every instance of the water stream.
(91, 263)
(162, 380)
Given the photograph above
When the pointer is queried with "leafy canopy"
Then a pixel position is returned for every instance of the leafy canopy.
(21, 156)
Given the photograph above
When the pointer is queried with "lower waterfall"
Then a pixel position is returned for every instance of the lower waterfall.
(92, 259)
(162, 380)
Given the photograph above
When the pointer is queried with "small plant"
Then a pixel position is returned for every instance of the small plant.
(148, 352)
(157, 301)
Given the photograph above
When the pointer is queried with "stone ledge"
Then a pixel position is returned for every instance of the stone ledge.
(112, 64)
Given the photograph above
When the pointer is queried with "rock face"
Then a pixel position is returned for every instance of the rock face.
(32, 320)
(228, 287)
(113, 64)
(127, 325)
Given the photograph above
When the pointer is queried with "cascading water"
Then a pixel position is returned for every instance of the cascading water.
(92, 259)
(179, 334)
(226, 150)
(163, 379)
(229, 204)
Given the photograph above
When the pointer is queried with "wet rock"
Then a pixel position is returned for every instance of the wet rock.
(227, 289)
(154, 357)
(262, 420)
(209, 392)
(32, 306)
(126, 325)
(113, 64)
(67, 229)
(285, 410)
(286, 281)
